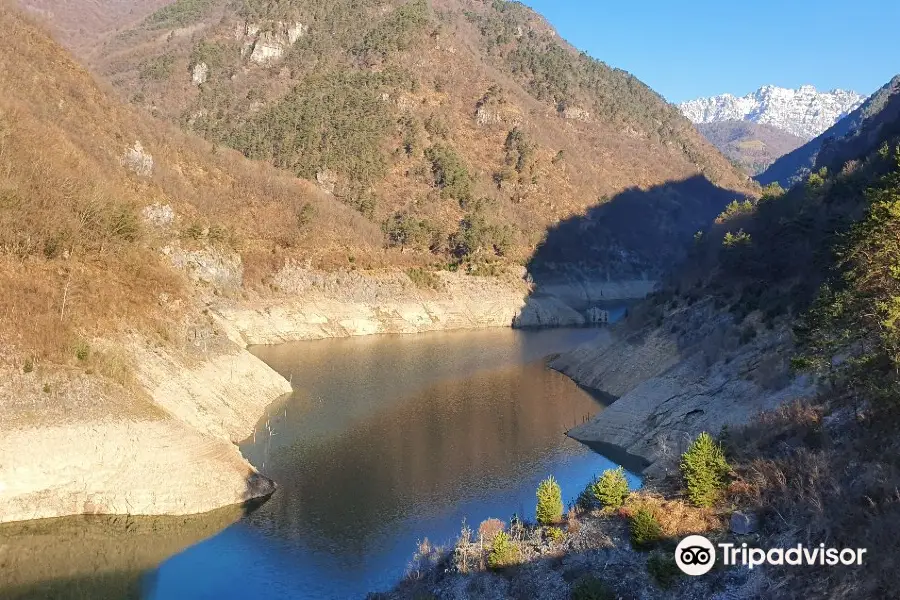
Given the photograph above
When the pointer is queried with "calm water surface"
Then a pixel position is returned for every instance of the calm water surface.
(386, 441)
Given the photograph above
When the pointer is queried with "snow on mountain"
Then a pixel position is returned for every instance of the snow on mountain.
(804, 112)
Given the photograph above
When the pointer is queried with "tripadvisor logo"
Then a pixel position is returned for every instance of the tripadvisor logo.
(696, 555)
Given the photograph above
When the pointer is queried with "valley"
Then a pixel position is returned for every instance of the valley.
(313, 296)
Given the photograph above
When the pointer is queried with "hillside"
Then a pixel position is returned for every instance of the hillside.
(138, 261)
(849, 139)
(462, 128)
(786, 308)
(778, 337)
(81, 25)
(804, 112)
(117, 237)
(751, 146)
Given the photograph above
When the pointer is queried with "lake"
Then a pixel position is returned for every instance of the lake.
(386, 441)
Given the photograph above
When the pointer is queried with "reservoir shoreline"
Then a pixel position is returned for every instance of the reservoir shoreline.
(192, 411)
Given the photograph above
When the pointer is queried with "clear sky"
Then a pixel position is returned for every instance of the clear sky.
(691, 48)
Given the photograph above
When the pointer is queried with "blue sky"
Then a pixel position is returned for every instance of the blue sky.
(695, 48)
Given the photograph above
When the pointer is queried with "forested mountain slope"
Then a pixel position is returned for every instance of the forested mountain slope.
(463, 128)
(787, 306)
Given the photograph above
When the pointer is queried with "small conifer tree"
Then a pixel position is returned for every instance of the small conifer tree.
(549, 505)
(504, 552)
(645, 530)
(612, 488)
(704, 469)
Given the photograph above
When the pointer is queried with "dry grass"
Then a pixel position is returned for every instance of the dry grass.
(78, 261)
(676, 517)
(818, 475)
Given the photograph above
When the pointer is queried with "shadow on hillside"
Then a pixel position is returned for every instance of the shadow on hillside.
(619, 249)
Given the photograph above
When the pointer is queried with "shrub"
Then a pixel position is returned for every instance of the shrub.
(519, 150)
(504, 552)
(424, 279)
(82, 351)
(591, 588)
(556, 534)
(28, 367)
(397, 31)
(704, 469)
(490, 529)
(645, 529)
(732, 240)
(612, 488)
(663, 569)
(305, 215)
(587, 499)
(319, 122)
(178, 14)
(735, 209)
(157, 69)
(549, 505)
(450, 172)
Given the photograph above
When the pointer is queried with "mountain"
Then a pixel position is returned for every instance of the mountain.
(804, 112)
(81, 24)
(751, 146)
(420, 115)
(848, 139)
(440, 141)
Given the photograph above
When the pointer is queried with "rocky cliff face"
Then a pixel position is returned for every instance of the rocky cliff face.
(306, 304)
(695, 372)
(804, 112)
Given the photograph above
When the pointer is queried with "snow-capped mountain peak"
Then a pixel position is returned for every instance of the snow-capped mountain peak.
(804, 112)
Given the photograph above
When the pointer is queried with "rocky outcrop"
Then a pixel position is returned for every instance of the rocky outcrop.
(266, 44)
(315, 305)
(137, 160)
(326, 305)
(575, 113)
(696, 372)
(199, 73)
(166, 446)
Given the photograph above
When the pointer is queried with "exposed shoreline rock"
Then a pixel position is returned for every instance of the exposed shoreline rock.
(168, 447)
(315, 305)
(173, 453)
(695, 372)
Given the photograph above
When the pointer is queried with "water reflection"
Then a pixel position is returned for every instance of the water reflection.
(91, 557)
(447, 443)
(386, 440)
